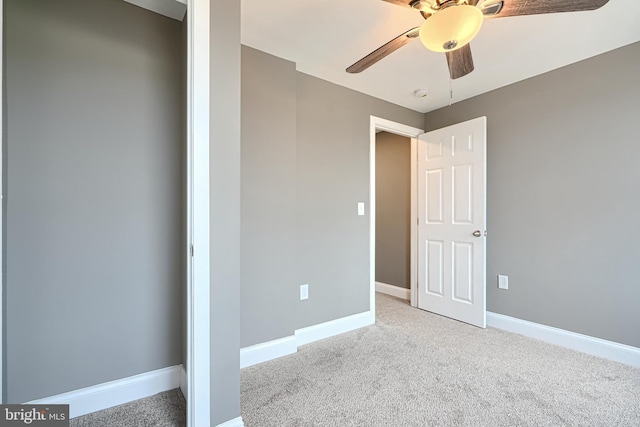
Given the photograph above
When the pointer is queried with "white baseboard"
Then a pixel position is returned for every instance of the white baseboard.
(333, 327)
(289, 345)
(394, 291)
(236, 422)
(267, 351)
(595, 346)
(113, 393)
(183, 382)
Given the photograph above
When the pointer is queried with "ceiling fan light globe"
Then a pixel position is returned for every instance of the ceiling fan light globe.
(451, 28)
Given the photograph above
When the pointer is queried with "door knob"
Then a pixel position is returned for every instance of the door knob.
(477, 233)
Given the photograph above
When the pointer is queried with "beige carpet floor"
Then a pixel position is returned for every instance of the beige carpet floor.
(162, 410)
(413, 368)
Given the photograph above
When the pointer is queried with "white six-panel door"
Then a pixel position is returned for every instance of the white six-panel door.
(452, 221)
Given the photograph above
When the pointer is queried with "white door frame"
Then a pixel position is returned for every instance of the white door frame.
(198, 237)
(377, 123)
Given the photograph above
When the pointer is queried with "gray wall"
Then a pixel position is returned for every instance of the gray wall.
(268, 291)
(393, 209)
(332, 252)
(305, 165)
(225, 210)
(562, 193)
(94, 190)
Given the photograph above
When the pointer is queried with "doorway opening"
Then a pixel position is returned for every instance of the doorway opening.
(393, 128)
(196, 64)
(393, 214)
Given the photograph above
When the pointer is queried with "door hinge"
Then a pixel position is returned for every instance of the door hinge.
(191, 250)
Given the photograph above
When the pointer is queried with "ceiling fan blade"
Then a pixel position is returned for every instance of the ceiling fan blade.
(460, 62)
(505, 8)
(384, 50)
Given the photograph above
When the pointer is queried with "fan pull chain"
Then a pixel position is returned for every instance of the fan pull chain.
(450, 91)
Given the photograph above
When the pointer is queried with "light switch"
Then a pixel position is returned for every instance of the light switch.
(360, 208)
(503, 282)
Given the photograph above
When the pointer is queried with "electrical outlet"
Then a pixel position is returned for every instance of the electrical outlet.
(360, 208)
(304, 292)
(503, 282)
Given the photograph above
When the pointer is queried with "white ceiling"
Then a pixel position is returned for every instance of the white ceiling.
(174, 9)
(323, 37)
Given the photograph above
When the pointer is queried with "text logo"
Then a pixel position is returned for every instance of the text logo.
(34, 415)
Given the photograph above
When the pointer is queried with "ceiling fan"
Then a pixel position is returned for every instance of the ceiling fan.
(450, 25)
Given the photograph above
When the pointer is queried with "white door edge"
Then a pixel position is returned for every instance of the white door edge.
(198, 274)
(377, 123)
